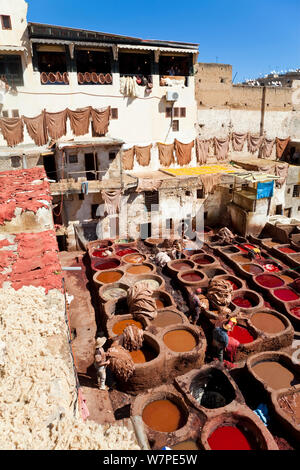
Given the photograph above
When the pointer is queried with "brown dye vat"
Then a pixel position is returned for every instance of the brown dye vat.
(181, 266)
(252, 268)
(186, 445)
(139, 269)
(166, 318)
(267, 323)
(114, 293)
(285, 278)
(143, 355)
(159, 304)
(290, 405)
(134, 258)
(275, 375)
(109, 277)
(240, 259)
(296, 258)
(119, 327)
(180, 341)
(163, 416)
(192, 277)
(270, 243)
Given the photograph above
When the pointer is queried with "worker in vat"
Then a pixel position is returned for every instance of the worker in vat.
(100, 363)
(222, 341)
(254, 253)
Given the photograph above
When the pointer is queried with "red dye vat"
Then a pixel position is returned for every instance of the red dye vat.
(229, 438)
(241, 334)
(203, 260)
(241, 248)
(267, 280)
(102, 253)
(233, 284)
(286, 249)
(272, 268)
(286, 295)
(106, 265)
(242, 302)
(126, 251)
(296, 311)
(250, 247)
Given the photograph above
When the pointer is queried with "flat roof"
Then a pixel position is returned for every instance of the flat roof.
(65, 33)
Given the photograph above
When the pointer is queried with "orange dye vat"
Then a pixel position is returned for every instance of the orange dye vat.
(180, 341)
(121, 325)
(163, 416)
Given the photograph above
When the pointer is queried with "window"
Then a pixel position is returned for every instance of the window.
(178, 66)
(188, 193)
(168, 112)
(81, 197)
(15, 113)
(16, 162)
(279, 210)
(296, 190)
(176, 112)
(169, 224)
(151, 200)
(200, 194)
(5, 114)
(136, 64)
(93, 62)
(175, 126)
(114, 113)
(112, 156)
(289, 190)
(94, 211)
(52, 65)
(183, 112)
(6, 22)
(11, 70)
(73, 158)
(288, 212)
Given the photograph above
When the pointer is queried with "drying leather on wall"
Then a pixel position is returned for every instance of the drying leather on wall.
(209, 182)
(128, 159)
(221, 148)
(267, 147)
(36, 128)
(202, 148)
(101, 119)
(12, 130)
(183, 152)
(238, 141)
(254, 143)
(80, 121)
(56, 124)
(166, 154)
(112, 201)
(281, 145)
(143, 155)
(148, 184)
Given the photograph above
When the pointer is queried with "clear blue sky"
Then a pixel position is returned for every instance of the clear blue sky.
(255, 37)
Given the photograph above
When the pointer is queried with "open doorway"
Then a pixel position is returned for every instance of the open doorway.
(90, 166)
(146, 231)
(50, 167)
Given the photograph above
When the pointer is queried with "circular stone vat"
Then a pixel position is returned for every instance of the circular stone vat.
(154, 241)
(105, 265)
(180, 340)
(246, 299)
(135, 258)
(113, 291)
(289, 404)
(232, 437)
(252, 268)
(235, 282)
(189, 253)
(230, 250)
(269, 322)
(108, 277)
(275, 371)
(269, 281)
(186, 445)
(240, 259)
(212, 389)
(146, 354)
(286, 249)
(102, 252)
(137, 269)
(120, 325)
(125, 242)
(286, 295)
(272, 267)
(288, 276)
(203, 259)
(213, 272)
(191, 277)
(163, 299)
(165, 415)
(166, 318)
(117, 307)
(295, 310)
(122, 251)
(153, 281)
(241, 334)
(180, 265)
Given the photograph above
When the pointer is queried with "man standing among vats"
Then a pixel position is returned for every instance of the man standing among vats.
(100, 363)
(222, 341)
